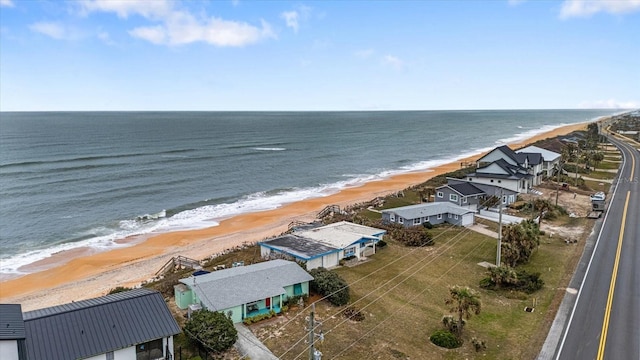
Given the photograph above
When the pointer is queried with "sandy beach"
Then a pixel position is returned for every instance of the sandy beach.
(89, 275)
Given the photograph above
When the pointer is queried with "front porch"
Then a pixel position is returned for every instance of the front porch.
(256, 312)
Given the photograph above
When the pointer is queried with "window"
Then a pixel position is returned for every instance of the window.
(416, 221)
(400, 220)
(455, 216)
(470, 179)
(392, 217)
(504, 199)
(110, 355)
(499, 181)
(439, 216)
(491, 180)
(150, 350)
(449, 216)
(453, 197)
(440, 194)
(349, 252)
(464, 199)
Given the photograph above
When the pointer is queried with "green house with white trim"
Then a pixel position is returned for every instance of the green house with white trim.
(245, 291)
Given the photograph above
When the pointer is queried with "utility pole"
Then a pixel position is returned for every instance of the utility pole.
(311, 333)
(558, 180)
(499, 230)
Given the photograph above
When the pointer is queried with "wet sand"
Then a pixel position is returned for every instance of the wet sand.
(80, 273)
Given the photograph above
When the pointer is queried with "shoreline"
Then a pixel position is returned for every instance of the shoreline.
(93, 274)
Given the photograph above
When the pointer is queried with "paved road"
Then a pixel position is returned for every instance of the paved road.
(602, 320)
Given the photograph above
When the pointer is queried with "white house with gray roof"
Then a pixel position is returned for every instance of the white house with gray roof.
(434, 213)
(550, 159)
(245, 291)
(130, 325)
(324, 246)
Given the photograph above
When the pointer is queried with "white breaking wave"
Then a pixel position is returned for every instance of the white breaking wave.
(269, 149)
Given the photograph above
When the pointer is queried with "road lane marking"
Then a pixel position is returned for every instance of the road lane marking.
(614, 276)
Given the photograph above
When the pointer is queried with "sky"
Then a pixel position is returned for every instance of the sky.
(118, 55)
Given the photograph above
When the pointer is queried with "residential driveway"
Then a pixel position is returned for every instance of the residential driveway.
(249, 346)
(483, 230)
(493, 216)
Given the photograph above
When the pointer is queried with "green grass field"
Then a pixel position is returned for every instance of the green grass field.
(401, 291)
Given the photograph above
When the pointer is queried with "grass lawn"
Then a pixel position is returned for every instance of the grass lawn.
(601, 175)
(403, 303)
(595, 186)
(608, 165)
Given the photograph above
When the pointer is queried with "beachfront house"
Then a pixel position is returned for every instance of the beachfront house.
(550, 159)
(245, 291)
(462, 194)
(312, 253)
(508, 196)
(434, 213)
(12, 333)
(324, 246)
(130, 325)
(524, 169)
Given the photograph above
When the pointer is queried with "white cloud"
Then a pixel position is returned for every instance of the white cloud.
(125, 8)
(53, 30)
(364, 54)
(291, 19)
(393, 61)
(586, 8)
(6, 3)
(178, 27)
(609, 104)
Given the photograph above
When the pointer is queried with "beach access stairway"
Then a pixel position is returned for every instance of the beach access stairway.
(331, 209)
(179, 261)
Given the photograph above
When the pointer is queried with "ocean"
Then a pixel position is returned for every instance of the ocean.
(87, 179)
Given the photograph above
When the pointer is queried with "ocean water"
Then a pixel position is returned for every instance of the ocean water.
(89, 178)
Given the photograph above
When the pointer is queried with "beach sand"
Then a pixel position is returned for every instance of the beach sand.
(89, 275)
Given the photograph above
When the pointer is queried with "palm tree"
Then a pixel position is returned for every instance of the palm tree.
(463, 302)
(541, 205)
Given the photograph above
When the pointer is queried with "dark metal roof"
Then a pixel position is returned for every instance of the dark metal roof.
(91, 327)
(464, 189)
(507, 151)
(11, 323)
(532, 158)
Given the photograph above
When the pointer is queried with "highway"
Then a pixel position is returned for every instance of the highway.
(600, 314)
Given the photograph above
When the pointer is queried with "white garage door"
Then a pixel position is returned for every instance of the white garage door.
(467, 219)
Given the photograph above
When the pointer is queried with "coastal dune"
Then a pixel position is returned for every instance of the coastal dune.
(87, 274)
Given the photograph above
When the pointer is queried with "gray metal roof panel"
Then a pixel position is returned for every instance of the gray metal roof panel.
(11, 323)
(96, 326)
(464, 188)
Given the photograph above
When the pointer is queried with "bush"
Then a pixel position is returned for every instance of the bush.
(504, 277)
(479, 345)
(330, 284)
(255, 319)
(352, 313)
(212, 330)
(427, 225)
(445, 339)
(118, 289)
(380, 244)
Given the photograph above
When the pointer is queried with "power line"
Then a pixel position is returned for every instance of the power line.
(461, 236)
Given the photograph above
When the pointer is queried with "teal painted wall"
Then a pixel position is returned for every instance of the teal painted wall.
(183, 298)
(236, 313)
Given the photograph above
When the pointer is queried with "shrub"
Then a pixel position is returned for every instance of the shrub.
(445, 339)
(352, 313)
(118, 289)
(415, 236)
(212, 330)
(427, 225)
(504, 277)
(330, 284)
(479, 345)
(255, 319)
(380, 244)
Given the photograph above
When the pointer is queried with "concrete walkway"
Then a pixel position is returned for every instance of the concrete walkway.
(483, 230)
(249, 346)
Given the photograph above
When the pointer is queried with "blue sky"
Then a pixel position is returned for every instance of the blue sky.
(318, 55)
